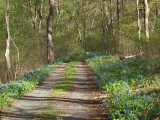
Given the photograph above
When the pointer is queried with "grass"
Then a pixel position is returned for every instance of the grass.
(52, 115)
(45, 115)
(68, 77)
(66, 81)
(47, 108)
(132, 85)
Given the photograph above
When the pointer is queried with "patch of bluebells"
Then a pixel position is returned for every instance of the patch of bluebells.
(117, 77)
(28, 82)
(17, 88)
(116, 74)
(132, 106)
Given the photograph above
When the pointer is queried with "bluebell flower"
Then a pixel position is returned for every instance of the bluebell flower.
(148, 118)
(109, 117)
(104, 100)
(115, 99)
(139, 92)
(116, 112)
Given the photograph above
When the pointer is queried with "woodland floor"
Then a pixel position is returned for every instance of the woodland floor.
(81, 102)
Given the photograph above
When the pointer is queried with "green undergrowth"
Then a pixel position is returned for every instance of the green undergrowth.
(132, 86)
(28, 82)
(68, 77)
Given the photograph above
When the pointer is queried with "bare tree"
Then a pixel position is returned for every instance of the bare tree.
(7, 54)
(50, 52)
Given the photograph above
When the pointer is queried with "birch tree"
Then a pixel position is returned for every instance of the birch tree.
(146, 18)
(7, 54)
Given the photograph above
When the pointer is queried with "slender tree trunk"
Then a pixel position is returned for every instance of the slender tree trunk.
(139, 25)
(93, 20)
(103, 7)
(58, 15)
(118, 10)
(146, 18)
(139, 21)
(79, 32)
(112, 27)
(67, 39)
(7, 54)
(107, 16)
(84, 25)
(35, 14)
(119, 40)
(32, 14)
(156, 15)
(40, 15)
(50, 53)
(68, 29)
(122, 4)
(84, 35)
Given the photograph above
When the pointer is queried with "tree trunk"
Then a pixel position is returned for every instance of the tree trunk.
(67, 39)
(104, 10)
(156, 15)
(118, 9)
(146, 18)
(50, 52)
(139, 21)
(122, 4)
(40, 15)
(112, 27)
(33, 12)
(84, 35)
(7, 54)
(79, 32)
(93, 20)
(139, 25)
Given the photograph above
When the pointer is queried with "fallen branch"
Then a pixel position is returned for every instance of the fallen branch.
(126, 57)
